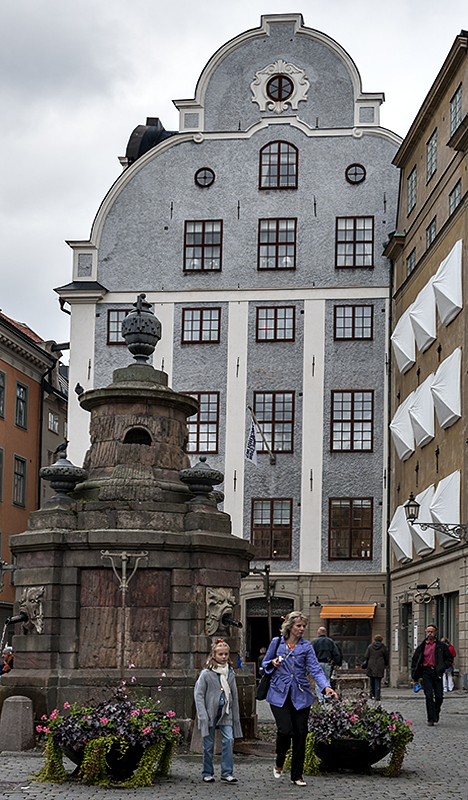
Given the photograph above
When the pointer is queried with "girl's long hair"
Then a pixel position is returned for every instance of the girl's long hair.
(211, 661)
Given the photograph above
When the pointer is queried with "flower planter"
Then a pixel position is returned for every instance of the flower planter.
(353, 754)
(121, 767)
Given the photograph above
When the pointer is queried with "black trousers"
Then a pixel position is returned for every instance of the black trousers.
(433, 689)
(291, 724)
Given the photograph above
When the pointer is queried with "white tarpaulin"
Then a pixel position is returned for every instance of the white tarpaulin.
(424, 541)
(421, 413)
(402, 430)
(447, 285)
(423, 317)
(400, 536)
(403, 342)
(445, 505)
(445, 390)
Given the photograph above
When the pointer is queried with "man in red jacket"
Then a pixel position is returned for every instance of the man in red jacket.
(429, 663)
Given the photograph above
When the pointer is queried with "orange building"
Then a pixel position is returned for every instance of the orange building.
(33, 406)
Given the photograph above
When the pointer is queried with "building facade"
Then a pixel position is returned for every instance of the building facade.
(33, 419)
(256, 232)
(429, 368)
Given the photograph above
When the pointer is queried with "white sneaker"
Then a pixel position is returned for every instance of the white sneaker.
(300, 782)
(277, 773)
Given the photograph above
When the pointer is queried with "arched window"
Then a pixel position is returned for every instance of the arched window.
(137, 436)
(278, 166)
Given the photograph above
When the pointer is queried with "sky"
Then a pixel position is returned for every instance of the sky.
(77, 78)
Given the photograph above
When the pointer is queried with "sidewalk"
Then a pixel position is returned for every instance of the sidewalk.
(436, 765)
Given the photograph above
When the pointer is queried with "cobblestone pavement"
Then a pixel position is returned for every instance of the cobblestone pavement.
(435, 766)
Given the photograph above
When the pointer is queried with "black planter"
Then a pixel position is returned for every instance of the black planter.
(353, 754)
(120, 766)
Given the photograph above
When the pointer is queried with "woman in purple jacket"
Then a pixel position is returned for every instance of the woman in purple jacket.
(289, 694)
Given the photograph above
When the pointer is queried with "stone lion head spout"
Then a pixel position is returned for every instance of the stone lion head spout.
(219, 603)
(31, 605)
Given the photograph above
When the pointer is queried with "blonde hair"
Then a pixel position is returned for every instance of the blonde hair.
(294, 616)
(211, 662)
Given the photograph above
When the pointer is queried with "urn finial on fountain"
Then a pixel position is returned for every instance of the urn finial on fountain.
(141, 330)
(200, 479)
(63, 477)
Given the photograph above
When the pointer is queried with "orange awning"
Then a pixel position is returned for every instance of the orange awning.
(347, 612)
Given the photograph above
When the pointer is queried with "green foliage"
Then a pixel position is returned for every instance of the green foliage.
(392, 770)
(93, 769)
(52, 770)
(311, 760)
(165, 759)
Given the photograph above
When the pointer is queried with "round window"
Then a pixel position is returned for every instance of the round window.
(355, 173)
(279, 88)
(204, 177)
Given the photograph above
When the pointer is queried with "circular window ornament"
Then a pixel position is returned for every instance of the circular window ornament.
(204, 177)
(355, 173)
(279, 88)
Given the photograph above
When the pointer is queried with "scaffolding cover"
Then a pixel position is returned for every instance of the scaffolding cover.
(402, 430)
(447, 285)
(400, 536)
(424, 541)
(445, 390)
(421, 412)
(403, 342)
(445, 505)
(423, 317)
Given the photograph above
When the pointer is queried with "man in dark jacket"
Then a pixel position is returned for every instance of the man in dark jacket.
(328, 654)
(430, 660)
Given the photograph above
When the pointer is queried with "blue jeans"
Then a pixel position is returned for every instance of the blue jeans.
(226, 753)
(375, 687)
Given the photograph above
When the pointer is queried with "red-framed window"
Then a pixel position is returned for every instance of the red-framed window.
(200, 325)
(275, 416)
(278, 166)
(276, 324)
(203, 245)
(352, 421)
(277, 243)
(203, 427)
(115, 317)
(354, 245)
(353, 322)
(271, 528)
(350, 528)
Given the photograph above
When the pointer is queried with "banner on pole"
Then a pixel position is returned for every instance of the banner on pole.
(251, 447)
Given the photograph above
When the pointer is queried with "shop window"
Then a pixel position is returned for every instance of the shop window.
(353, 636)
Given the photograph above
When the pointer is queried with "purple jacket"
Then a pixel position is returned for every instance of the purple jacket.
(291, 673)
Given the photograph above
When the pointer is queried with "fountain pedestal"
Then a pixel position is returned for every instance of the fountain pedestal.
(132, 500)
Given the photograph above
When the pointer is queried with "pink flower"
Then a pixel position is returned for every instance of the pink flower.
(46, 730)
(158, 701)
(146, 730)
(134, 713)
(353, 717)
(55, 713)
(144, 710)
(131, 666)
(170, 714)
(176, 730)
(124, 683)
(103, 720)
(408, 722)
(159, 688)
(39, 728)
(133, 679)
(163, 674)
(66, 705)
(44, 716)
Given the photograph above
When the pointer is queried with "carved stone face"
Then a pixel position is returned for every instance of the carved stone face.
(218, 603)
(31, 604)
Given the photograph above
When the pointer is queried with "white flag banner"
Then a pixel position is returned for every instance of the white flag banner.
(251, 448)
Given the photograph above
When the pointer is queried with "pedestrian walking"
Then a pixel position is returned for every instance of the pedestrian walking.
(218, 706)
(286, 660)
(447, 677)
(328, 655)
(377, 661)
(430, 660)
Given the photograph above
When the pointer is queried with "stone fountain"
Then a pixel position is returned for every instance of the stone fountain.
(136, 502)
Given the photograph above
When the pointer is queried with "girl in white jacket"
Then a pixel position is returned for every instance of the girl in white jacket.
(217, 705)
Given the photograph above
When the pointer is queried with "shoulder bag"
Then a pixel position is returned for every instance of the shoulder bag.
(264, 685)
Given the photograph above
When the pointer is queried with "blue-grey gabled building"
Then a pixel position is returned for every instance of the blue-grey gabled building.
(257, 232)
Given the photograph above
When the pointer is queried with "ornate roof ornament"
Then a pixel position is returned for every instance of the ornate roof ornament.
(278, 85)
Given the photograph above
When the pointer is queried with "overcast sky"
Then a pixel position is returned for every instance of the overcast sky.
(78, 77)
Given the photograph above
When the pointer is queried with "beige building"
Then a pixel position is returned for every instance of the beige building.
(429, 370)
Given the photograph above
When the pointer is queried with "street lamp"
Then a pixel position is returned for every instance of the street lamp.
(456, 531)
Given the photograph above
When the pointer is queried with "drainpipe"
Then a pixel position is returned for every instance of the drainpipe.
(41, 434)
